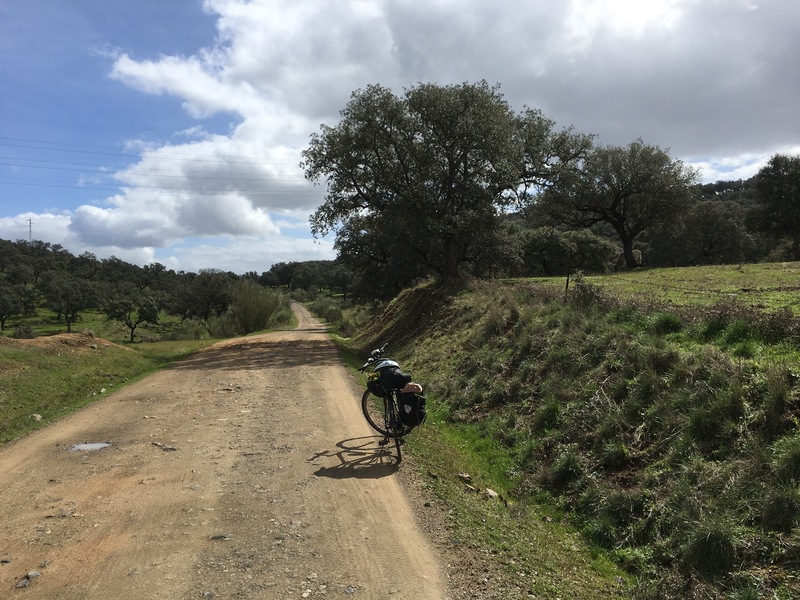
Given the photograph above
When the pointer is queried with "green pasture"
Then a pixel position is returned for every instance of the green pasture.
(768, 286)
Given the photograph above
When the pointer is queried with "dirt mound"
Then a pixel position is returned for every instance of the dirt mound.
(61, 342)
(411, 313)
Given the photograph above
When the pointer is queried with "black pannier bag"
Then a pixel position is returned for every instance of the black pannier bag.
(412, 409)
(393, 378)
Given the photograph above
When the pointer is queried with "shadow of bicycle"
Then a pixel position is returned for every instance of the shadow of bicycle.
(359, 458)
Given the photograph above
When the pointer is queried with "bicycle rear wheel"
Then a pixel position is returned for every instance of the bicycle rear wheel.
(376, 412)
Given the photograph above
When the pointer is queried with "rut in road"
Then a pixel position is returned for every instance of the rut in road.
(246, 471)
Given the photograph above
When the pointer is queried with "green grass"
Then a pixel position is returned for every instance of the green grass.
(55, 382)
(38, 386)
(768, 286)
(652, 420)
(45, 322)
(532, 552)
(41, 382)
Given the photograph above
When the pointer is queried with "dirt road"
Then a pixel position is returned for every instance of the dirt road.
(246, 471)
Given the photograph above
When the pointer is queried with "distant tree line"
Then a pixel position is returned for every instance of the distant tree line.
(39, 275)
(448, 181)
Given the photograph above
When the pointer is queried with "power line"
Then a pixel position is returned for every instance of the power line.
(235, 184)
(16, 139)
(194, 191)
(98, 171)
(60, 162)
(233, 159)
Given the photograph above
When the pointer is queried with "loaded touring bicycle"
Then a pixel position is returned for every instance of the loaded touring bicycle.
(392, 404)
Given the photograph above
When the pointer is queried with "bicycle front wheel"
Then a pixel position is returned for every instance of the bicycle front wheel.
(375, 412)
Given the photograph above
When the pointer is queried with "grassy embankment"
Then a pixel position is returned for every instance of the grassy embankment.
(656, 412)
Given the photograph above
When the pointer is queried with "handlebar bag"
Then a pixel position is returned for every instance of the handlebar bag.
(375, 386)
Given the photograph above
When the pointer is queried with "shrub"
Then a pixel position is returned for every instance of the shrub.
(23, 332)
(546, 416)
(776, 399)
(625, 506)
(738, 331)
(614, 455)
(566, 468)
(600, 530)
(529, 453)
(663, 323)
(713, 327)
(711, 549)
(633, 560)
(746, 589)
(781, 508)
(745, 349)
(778, 326)
(711, 431)
(223, 327)
(720, 316)
(252, 308)
(786, 459)
(327, 308)
(583, 293)
(188, 330)
(493, 323)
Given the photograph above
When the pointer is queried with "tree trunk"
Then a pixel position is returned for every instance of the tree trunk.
(796, 246)
(450, 266)
(627, 251)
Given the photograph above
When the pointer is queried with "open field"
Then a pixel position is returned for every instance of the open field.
(769, 286)
(51, 376)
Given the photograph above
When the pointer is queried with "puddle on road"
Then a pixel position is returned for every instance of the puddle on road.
(90, 447)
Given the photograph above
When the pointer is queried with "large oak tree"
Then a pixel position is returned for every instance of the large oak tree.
(417, 182)
(629, 188)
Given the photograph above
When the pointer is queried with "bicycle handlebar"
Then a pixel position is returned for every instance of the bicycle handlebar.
(373, 356)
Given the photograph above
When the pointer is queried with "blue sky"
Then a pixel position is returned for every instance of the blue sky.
(171, 130)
